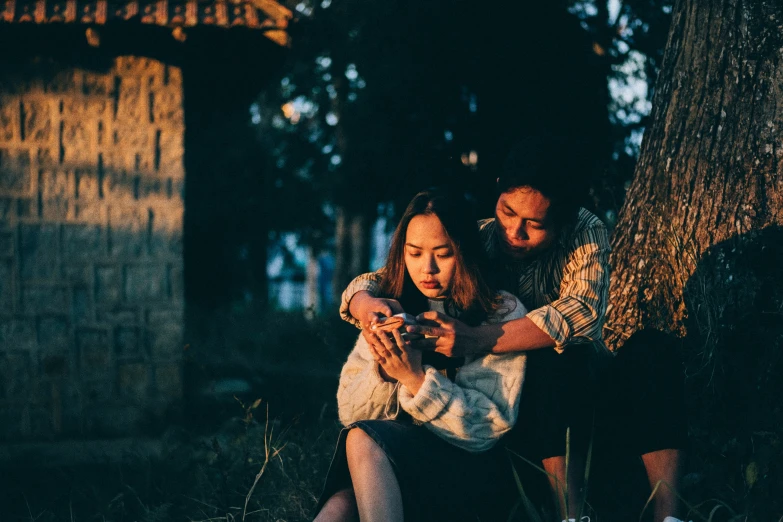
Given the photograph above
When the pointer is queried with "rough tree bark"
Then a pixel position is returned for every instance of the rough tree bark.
(351, 247)
(710, 168)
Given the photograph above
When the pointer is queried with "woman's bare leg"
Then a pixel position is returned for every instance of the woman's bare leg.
(375, 486)
(341, 507)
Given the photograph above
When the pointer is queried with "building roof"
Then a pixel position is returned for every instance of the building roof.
(266, 15)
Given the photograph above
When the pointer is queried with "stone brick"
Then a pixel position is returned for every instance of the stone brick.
(18, 334)
(113, 420)
(164, 334)
(177, 277)
(166, 227)
(86, 109)
(6, 287)
(159, 317)
(86, 185)
(7, 240)
(151, 188)
(63, 81)
(73, 417)
(7, 208)
(133, 139)
(77, 141)
(165, 342)
(57, 194)
(56, 366)
(14, 171)
(53, 334)
(145, 282)
(172, 143)
(167, 107)
(107, 284)
(93, 346)
(96, 83)
(39, 423)
(118, 315)
(97, 390)
(126, 341)
(173, 76)
(78, 273)
(37, 121)
(38, 249)
(133, 380)
(128, 228)
(25, 208)
(168, 380)
(172, 167)
(128, 65)
(81, 304)
(9, 118)
(47, 157)
(45, 299)
(15, 375)
(89, 211)
(82, 242)
(131, 106)
(10, 418)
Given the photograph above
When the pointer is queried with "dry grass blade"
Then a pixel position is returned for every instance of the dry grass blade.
(649, 499)
(529, 508)
(588, 463)
(269, 454)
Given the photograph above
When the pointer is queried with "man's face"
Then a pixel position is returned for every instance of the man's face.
(524, 228)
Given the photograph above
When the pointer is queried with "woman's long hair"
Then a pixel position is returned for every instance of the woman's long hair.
(470, 297)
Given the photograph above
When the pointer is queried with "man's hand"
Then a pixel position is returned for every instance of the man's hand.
(446, 335)
(366, 308)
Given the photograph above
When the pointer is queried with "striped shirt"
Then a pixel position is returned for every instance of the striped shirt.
(565, 287)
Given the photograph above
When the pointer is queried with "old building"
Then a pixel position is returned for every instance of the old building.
(93, 156)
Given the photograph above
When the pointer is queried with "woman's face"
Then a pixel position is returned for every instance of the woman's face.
(429, 256)
(525, 228)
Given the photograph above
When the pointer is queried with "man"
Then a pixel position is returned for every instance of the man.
(554, 256)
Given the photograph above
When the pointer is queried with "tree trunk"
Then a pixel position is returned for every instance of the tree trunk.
(708, 182)
(351, 247)
(312, 297)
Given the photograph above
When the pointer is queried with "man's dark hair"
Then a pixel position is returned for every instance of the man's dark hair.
(552, 166)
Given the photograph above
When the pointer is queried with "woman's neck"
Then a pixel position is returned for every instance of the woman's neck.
(438, 305)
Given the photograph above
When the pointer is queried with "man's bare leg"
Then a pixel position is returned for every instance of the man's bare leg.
(569, 493)
(664, 468)
(375, 486)
(341, 507)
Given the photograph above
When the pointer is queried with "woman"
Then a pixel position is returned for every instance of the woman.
(420, 428)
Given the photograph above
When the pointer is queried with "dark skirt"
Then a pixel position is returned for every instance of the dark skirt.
(438, 481)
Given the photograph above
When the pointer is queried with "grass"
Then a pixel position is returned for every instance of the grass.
(263, 456)
(250, 470)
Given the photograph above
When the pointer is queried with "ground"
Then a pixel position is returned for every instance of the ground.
(255, 441)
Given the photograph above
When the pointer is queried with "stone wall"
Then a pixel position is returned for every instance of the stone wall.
(91, 208)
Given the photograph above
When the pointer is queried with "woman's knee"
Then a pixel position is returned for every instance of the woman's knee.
(361, 448)
(340, 507)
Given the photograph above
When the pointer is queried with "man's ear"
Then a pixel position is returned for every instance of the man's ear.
(497, 180)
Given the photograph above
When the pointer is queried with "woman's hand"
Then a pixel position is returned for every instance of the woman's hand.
(446, 335)
(399, 361)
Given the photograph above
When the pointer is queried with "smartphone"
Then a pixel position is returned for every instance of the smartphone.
(395, 322)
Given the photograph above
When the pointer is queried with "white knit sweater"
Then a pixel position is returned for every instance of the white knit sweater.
(472, 412)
